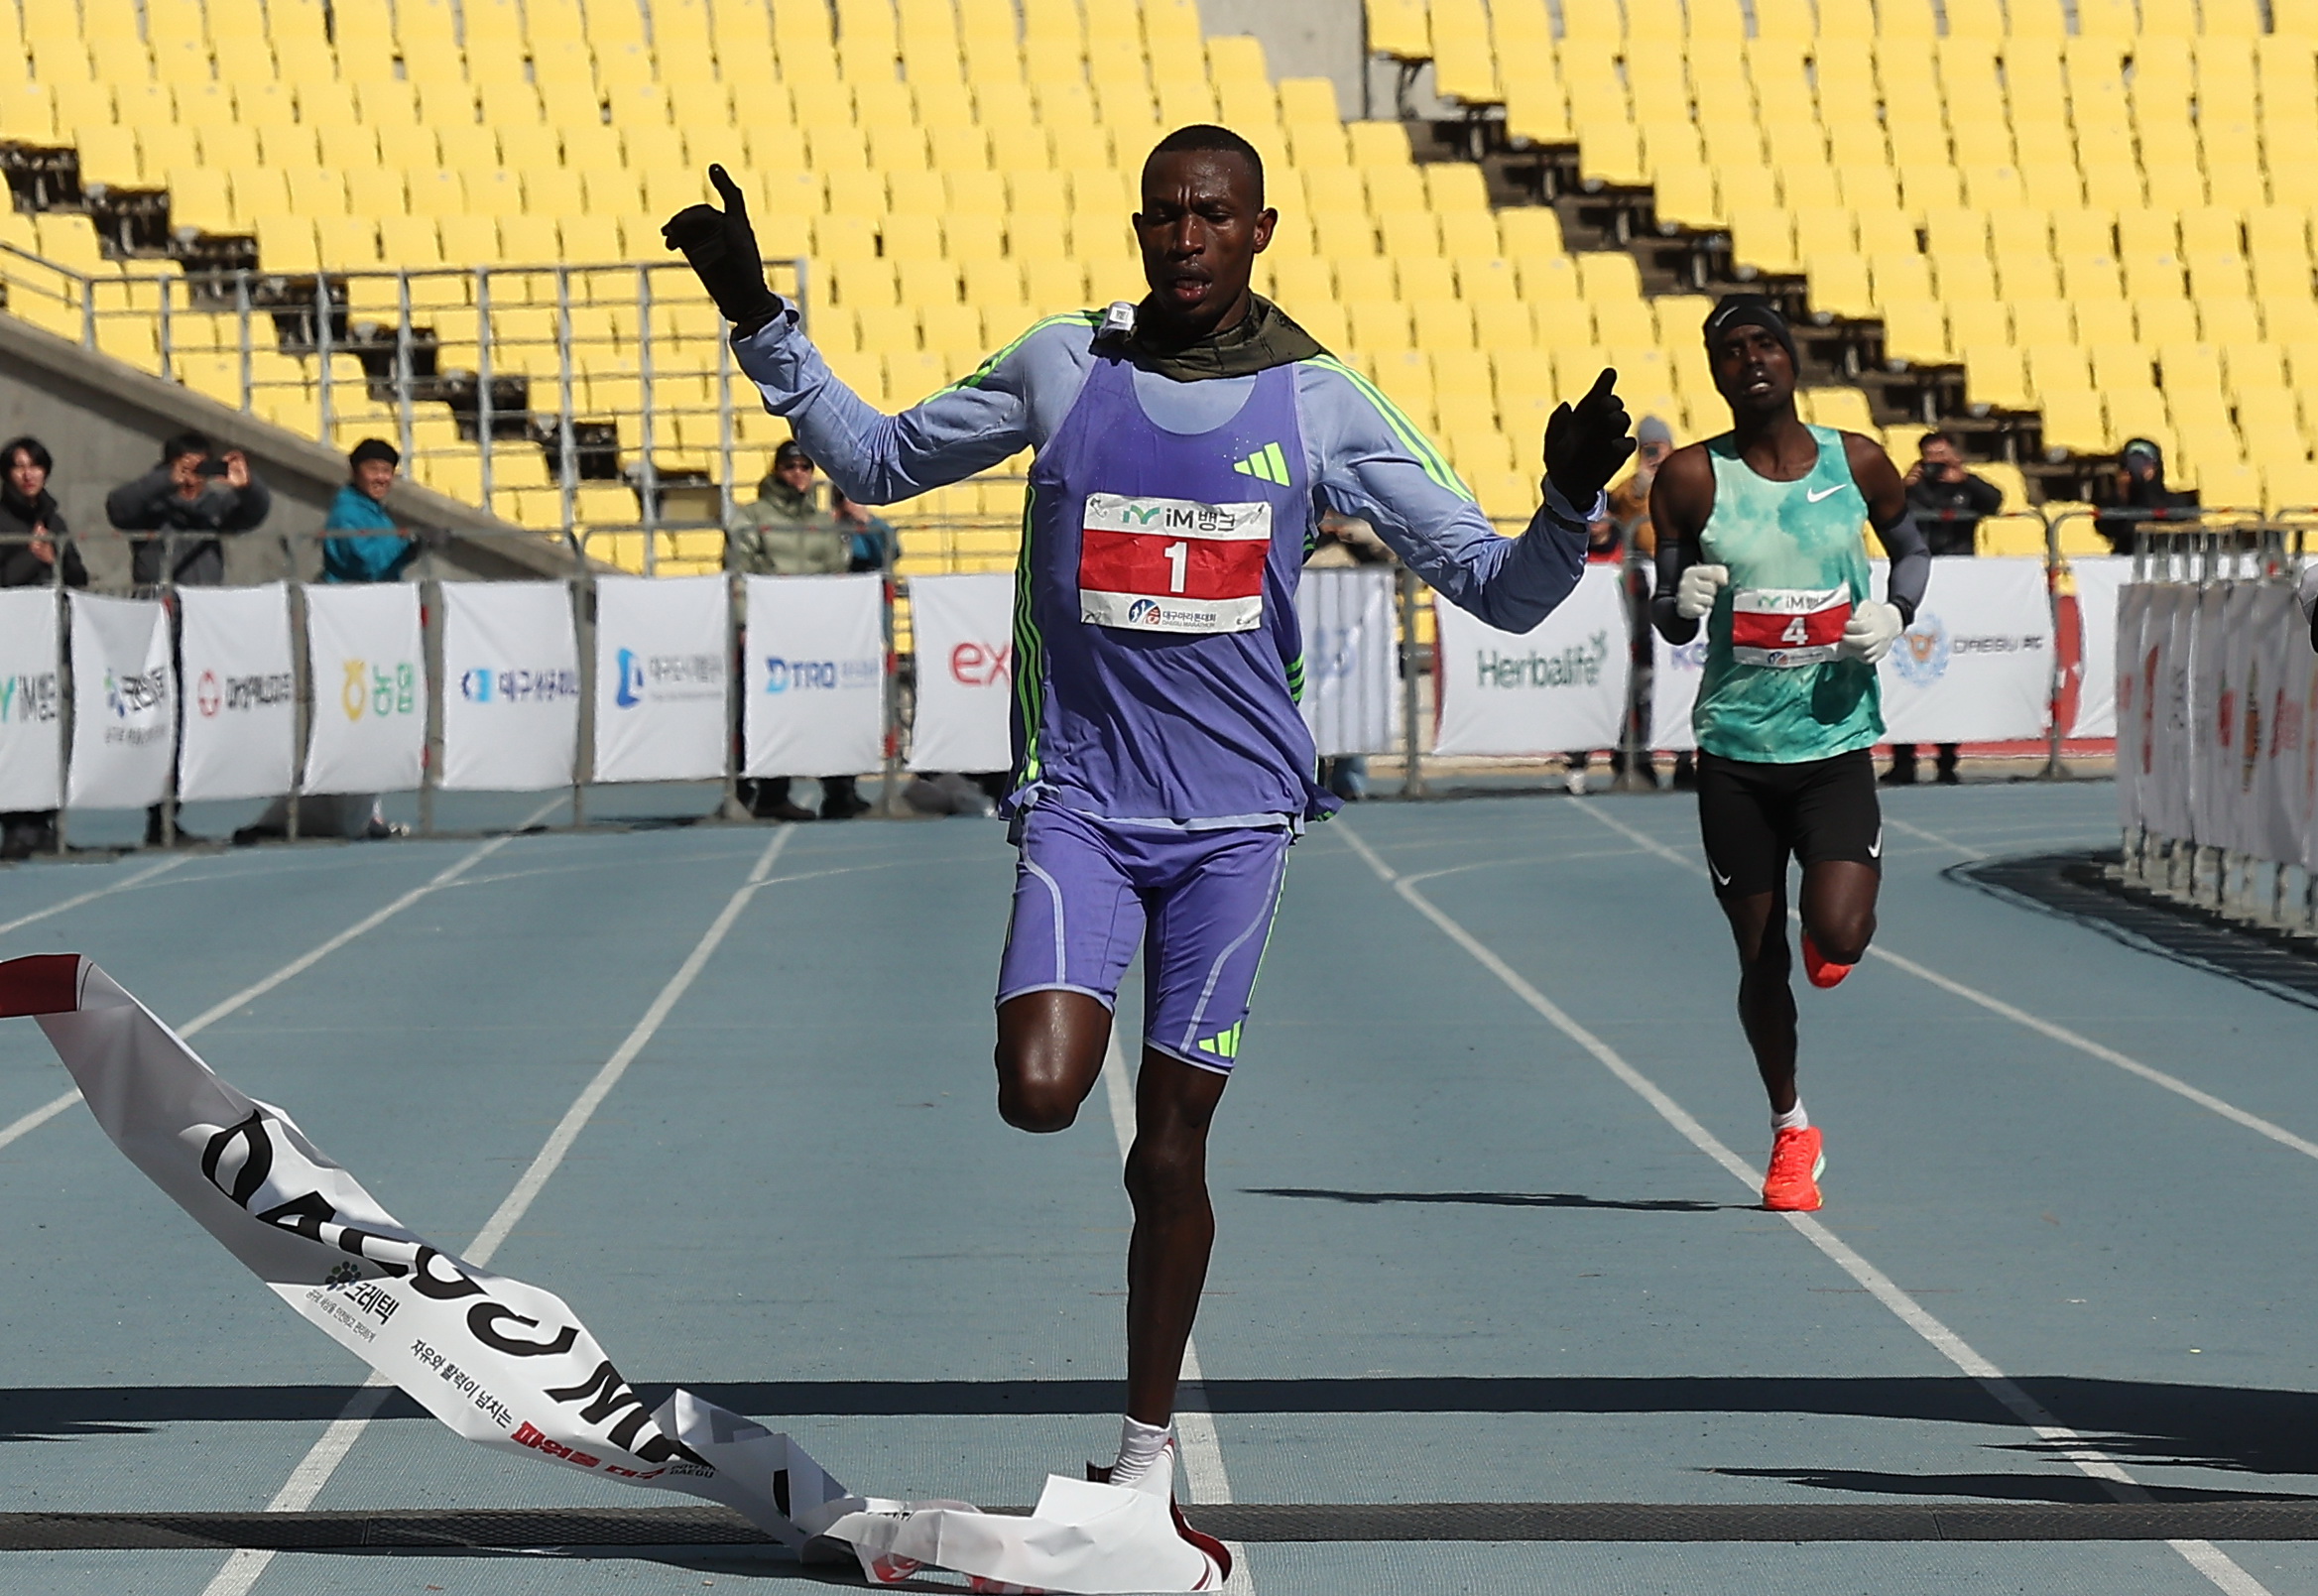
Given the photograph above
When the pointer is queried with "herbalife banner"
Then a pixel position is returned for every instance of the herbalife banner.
(1977, 664)
(1352, 660)
(241, 694)
(31, 702)
(124, 703)
(815, 681)
(1557, 686)
(367, 660)
(2099, 580)
(660, 669)
(962, 630)
(510, 686)
(508, 1364)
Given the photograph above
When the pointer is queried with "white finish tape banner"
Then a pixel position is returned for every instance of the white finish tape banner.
(509, 1365)
(962, 628)
(241, 692)
(31, 702)
(815, 682)
(2133, 668)
(367, 660)
(1352, 660)
(2098, 582)
(510, 686)
(1977, 664)
(661, 669)
(124, 703)
(1558, 686)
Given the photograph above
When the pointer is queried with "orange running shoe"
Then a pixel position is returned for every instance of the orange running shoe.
(1821, 973)
(1792, 1185)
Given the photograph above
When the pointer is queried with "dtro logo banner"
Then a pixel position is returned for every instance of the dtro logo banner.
(815, 687)
(661, 668)
(31, 702)
(510, 686)
(1352, 675)
(962, 627)
(1557, 686)
(241, 697)
(364, 650)
(124, 703)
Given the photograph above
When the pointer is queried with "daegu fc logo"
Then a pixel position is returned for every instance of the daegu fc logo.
(1922, 656)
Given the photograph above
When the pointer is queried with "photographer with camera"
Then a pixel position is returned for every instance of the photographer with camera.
(198, 494)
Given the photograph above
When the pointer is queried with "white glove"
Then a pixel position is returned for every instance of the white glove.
(1694, 596)
(1869, 634)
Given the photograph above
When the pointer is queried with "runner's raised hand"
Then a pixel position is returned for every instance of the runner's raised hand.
(1586, 444)
(723, 253)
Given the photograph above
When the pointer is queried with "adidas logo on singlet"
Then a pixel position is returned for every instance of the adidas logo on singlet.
(1267, 463)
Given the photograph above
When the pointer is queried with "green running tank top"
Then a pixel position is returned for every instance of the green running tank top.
(1772, 690)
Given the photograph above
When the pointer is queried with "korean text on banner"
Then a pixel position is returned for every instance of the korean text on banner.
(31, 702)
(962, 627)
(124, 703)
(1557, 686)
(661, 669)
(510, 686)
(2098, 582)
(815, 679)
(367, 658)
(241, 694)
(1352, 661)
(1976, 665)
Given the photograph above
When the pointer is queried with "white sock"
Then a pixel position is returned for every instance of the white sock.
(1138, 1450)
(1795, 1119)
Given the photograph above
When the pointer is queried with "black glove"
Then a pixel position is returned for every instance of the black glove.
(1586, 444)
(722, 252)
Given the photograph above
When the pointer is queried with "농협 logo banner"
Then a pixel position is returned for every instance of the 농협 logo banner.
(241, 694)
(510, 686)
(1352, 660)
(31, 702)
(962, 627)
(660, 672)
(124, 703)
(815, 682)
(2099, 580)
(1557, 686)
(1976, 666)
(366, 656)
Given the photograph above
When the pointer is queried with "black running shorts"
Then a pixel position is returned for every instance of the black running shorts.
(1754, 816)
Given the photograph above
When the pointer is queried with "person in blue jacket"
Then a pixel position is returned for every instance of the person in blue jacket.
(371, 548)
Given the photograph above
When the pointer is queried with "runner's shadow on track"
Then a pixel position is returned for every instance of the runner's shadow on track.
(1502, 1199)
(2060, 1488)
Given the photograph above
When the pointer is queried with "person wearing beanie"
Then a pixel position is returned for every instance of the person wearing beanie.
(1758, 541)
(366, 545)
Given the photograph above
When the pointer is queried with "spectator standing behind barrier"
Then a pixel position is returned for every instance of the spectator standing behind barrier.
(1653, 440)
(1948, 502)
(871, 543)
(2142, 495)
(1340, 542)
(35, 551)
(199, 496)
(785, 534)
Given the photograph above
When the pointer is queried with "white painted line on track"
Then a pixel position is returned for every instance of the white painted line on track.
(321, 1460)
(2207, 1558)
(2020, 1016)
(18, 1128)
(1203, 1470)
(1933, 837)
(91, 896)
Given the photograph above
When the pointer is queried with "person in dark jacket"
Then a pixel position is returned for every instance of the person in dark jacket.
(368, 546)
(2141, 496)
(198, 494)
(35, 551)
(1948, 502)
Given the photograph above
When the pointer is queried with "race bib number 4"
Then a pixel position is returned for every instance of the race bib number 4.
(1784, 627)
(1172, 565)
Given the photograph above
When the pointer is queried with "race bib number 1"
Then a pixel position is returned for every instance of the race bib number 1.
(1172, 565)
(1784, 627)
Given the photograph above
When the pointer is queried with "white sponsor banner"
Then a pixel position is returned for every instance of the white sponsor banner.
(1558, 686)
(2208, 687)
(2235, 759)
(124, 703)
(1352, 660)
(815, 679)
(510, 686)
(2280, 675)
(508, 1364)
(662, 668)
(2098, 582)
(367, 660)
(1976, 665)
(2133, 673)
(241, 692)
(2166, 765)
(962, 628)
(31, 702)
(1673, 691)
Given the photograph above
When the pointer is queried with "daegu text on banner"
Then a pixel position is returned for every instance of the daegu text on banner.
(1976, 662)
(125, 700)
(241, 692)
(661, 669)
(962, 627)
(1172, 564)
(815, 684)
(510, 686)
(31, 702)
(366, 657)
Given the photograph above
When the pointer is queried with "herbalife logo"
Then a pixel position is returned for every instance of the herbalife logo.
(1266, 464)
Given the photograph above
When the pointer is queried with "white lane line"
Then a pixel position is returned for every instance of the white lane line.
(321, 1460)
(123, 885)
(1933, 837)
(2207, 1558)
(2020, 1017)
(18, 1128)
(1203, 1470)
